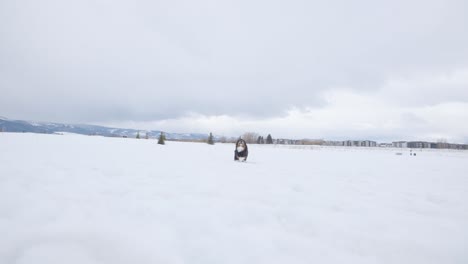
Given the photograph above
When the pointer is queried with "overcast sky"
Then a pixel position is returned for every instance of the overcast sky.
(334, 69)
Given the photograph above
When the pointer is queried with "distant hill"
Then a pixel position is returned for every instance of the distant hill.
(8, 125)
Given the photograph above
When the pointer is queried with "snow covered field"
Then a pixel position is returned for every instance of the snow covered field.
(80, 199)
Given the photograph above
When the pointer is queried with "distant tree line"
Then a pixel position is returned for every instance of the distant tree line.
(249, 137)
(255, 138)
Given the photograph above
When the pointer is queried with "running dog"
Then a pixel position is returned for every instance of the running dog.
(241, 152)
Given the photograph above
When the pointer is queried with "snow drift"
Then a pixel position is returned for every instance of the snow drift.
(81, 199)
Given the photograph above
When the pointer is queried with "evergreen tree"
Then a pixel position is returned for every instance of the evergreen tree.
(147, 136)
(259, 140)
(262, 141)
(211, 139)
(138, 135)
(269, 140)
(162, 139)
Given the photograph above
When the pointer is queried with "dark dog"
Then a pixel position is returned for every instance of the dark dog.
(241, 152)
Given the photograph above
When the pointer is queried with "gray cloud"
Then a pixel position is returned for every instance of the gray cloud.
(119, 61)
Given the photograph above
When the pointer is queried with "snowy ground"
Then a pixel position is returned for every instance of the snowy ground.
(79, 199)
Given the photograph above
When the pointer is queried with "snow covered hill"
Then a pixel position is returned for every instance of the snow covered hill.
(8, 125)
(78, 199)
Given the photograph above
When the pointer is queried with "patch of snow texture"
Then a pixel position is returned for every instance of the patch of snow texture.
(35, 124)
(88, 200)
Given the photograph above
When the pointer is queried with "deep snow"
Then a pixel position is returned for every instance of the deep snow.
(82, 199)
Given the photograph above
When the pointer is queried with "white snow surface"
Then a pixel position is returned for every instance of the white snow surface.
(80, 199)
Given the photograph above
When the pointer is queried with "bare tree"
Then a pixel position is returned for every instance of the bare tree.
(442, 140)
(250, 137)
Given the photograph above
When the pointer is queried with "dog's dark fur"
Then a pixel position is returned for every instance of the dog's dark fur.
(243, 154)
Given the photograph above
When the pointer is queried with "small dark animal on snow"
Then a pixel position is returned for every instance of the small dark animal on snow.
(241, 152)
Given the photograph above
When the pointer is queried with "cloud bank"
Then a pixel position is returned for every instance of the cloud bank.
(296, 69)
